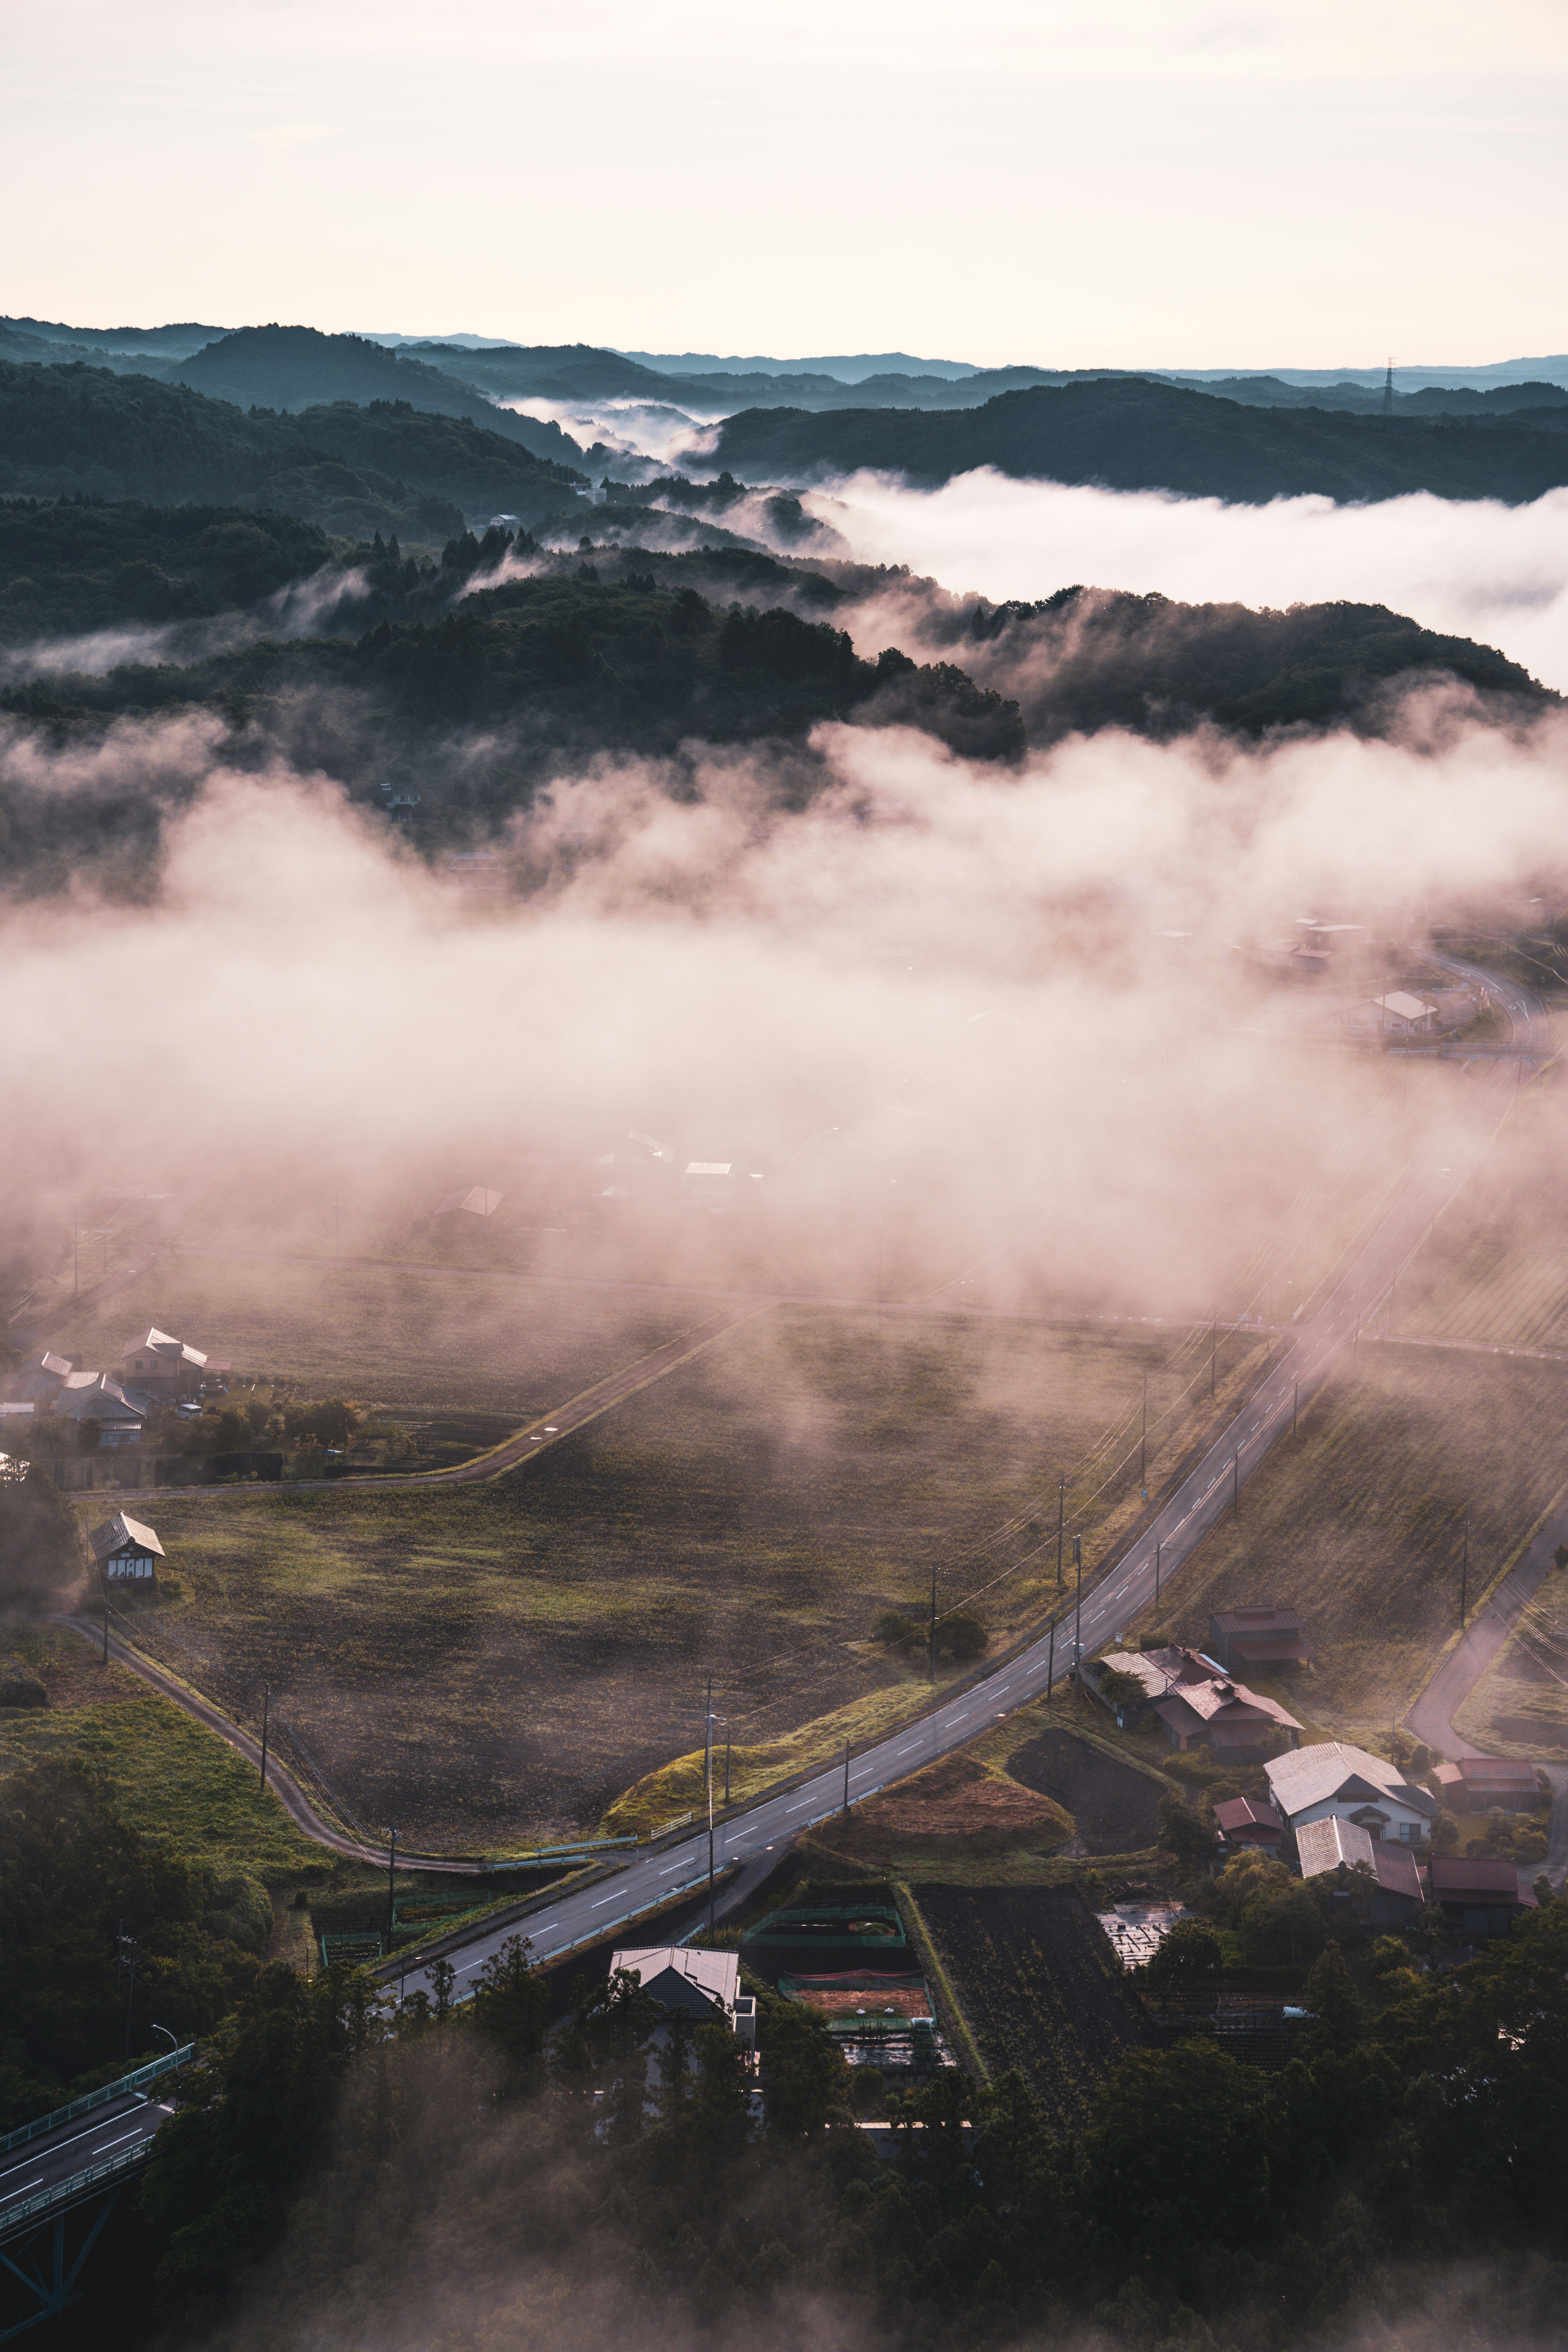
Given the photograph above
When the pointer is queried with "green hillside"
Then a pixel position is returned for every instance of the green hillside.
(293, 368)
(1129, 435)
(350, 470)
(70, 566)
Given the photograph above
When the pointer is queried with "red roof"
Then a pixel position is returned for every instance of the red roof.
(1476, 1878)
(1487, 1771)
(1241, 1813)
(1270, 1620)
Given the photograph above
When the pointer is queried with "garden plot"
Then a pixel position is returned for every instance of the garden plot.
(1115, 1808)
(490, 1663)
(1039, 1987)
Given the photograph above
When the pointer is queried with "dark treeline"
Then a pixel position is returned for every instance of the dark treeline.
(1127, 433)
(457, 2178)
(74, 565)
(350, 470)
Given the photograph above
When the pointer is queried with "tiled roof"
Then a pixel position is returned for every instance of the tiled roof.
(1476, 1877)
(121, 1530)
(1310, 1776)
(1240, 1813)
(717, 1974)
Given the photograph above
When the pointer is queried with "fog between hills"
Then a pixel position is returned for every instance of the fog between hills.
(936, 995)
(1475, 569)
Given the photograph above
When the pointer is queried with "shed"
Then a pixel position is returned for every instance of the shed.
(1245, 1827)
(1262, 1634)
(1479, 1892)
(1475, 1783)
(126, 1551)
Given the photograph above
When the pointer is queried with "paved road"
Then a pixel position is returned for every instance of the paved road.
(119, 2128)
(1126, 1587)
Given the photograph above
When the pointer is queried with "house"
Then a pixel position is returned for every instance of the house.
(1381, 1884)
(41, 1383)
(164, 1365)
(1198, 1703)
(126, 1552)
(95, 1396)
(1476, 1783)
(1333, 1778)
(1245, 1827)
(1480, 1893)
(705, 1986)
(1268, 1637)
(477, 1201)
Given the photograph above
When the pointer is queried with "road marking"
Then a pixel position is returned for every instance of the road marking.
(606, 1898)
(104, 2145)
(801, 1806)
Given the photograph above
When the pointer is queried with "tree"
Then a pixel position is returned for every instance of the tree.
(1120, 1690)
(805, 2080)
(1339, 2013)
(42, 1559)
(1187, 1831)
(88, 1435)
(1187, 1968)
(512, 2003)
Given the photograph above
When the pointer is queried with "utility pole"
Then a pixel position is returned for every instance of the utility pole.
(265, 1705)
(1144, 1444)
(1295, 1406)
(1235, 1485)
(726, 1759)
(931, 1667)
(1214, 1349)
(847, 1776)
(709, 1741)
(1051, 1659)
(106, 1616)
(1061, 1522)
(128, 1944)
(1465, 1577)
(1077, 1622)
(1156, 1579)
(391, 1883)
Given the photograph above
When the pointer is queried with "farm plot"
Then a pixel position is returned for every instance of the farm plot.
(490, 1663)
(1115, 1808)
(1040, 1988)
(394, 1335)
(1358, 1522)
(1520, 1705)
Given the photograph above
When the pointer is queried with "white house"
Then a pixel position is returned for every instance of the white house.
(126, 1551)
(1334, 1780)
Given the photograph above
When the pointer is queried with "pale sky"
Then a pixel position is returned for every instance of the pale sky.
(1177, 183)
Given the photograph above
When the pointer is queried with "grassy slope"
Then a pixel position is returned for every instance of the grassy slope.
(1520, 1706)
(171, 1777)
(1357, 1521)
(489, 1660)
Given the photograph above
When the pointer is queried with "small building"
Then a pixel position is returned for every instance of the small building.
(43, 1381)
(126, 1552)
(1380, 1884)
(95, 1396)
(1476, 1783)
(164, 1365)
(1247, 1827)
(477, 1201)
(1479, 1892)
(1197, 1702)
(1265, 1635)
(1333, 1778)
(704, 1986)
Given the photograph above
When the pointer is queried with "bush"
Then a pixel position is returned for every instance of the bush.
(1187, 1831)
(41, 1551)
(23, 1690)
(1188, 1966)
(239, 1910)
(895, 1630)
(960, 1637)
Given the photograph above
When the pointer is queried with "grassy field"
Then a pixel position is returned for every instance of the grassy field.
(485, 1664)
(1520, 1706)
(1495, 1270)
(171, 1777)
(1358, 1522)
(394, 1335)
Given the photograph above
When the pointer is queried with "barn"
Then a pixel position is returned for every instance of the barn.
(127, 1552)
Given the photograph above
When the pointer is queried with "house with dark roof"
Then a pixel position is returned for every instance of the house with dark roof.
(43, 1380)
(1198, 1703)
(95, 1396)
(1381, 1885)
(1473, 1784)
(1247, 1827)
(1481, 1894)
(164, 1365)
(704, 1986)
(1333, 1778)
(127, 1552)
(1265, 1638)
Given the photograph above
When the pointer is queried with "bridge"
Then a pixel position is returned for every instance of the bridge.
(60, 2178)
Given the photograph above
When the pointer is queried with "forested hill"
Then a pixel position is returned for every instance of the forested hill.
(352, 471)
(1131, 434)
(296, 367)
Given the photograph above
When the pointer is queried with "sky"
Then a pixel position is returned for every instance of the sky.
(1174, 183)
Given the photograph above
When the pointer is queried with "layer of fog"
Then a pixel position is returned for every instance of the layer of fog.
(301, 608)
(643, 435)
(1467, 568)
(937, 997)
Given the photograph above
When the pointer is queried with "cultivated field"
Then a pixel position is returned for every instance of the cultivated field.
(486, 1664)
(1358, 1521)
(393, 1335)
(1039, 1987)
(1520, 1706)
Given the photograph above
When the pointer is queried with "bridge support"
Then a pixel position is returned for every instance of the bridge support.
(37, 2263)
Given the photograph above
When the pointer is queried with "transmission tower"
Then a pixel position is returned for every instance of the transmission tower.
(1388, 391)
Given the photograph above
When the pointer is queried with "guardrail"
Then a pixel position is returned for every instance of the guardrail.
(169, 2062)
(17, 2216)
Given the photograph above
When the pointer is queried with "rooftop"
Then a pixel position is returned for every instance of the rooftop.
(1261, 1619)
(1241, 1813)
(717, 1974)
(119, 1531)
(1476, 1878)
(1332, 1768)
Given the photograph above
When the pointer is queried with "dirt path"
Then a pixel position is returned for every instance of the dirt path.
(1431, 1717)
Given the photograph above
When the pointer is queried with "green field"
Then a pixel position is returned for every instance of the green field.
(392, 1335)
(1358, 1522)
(171, 1777)
(486, 1664)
